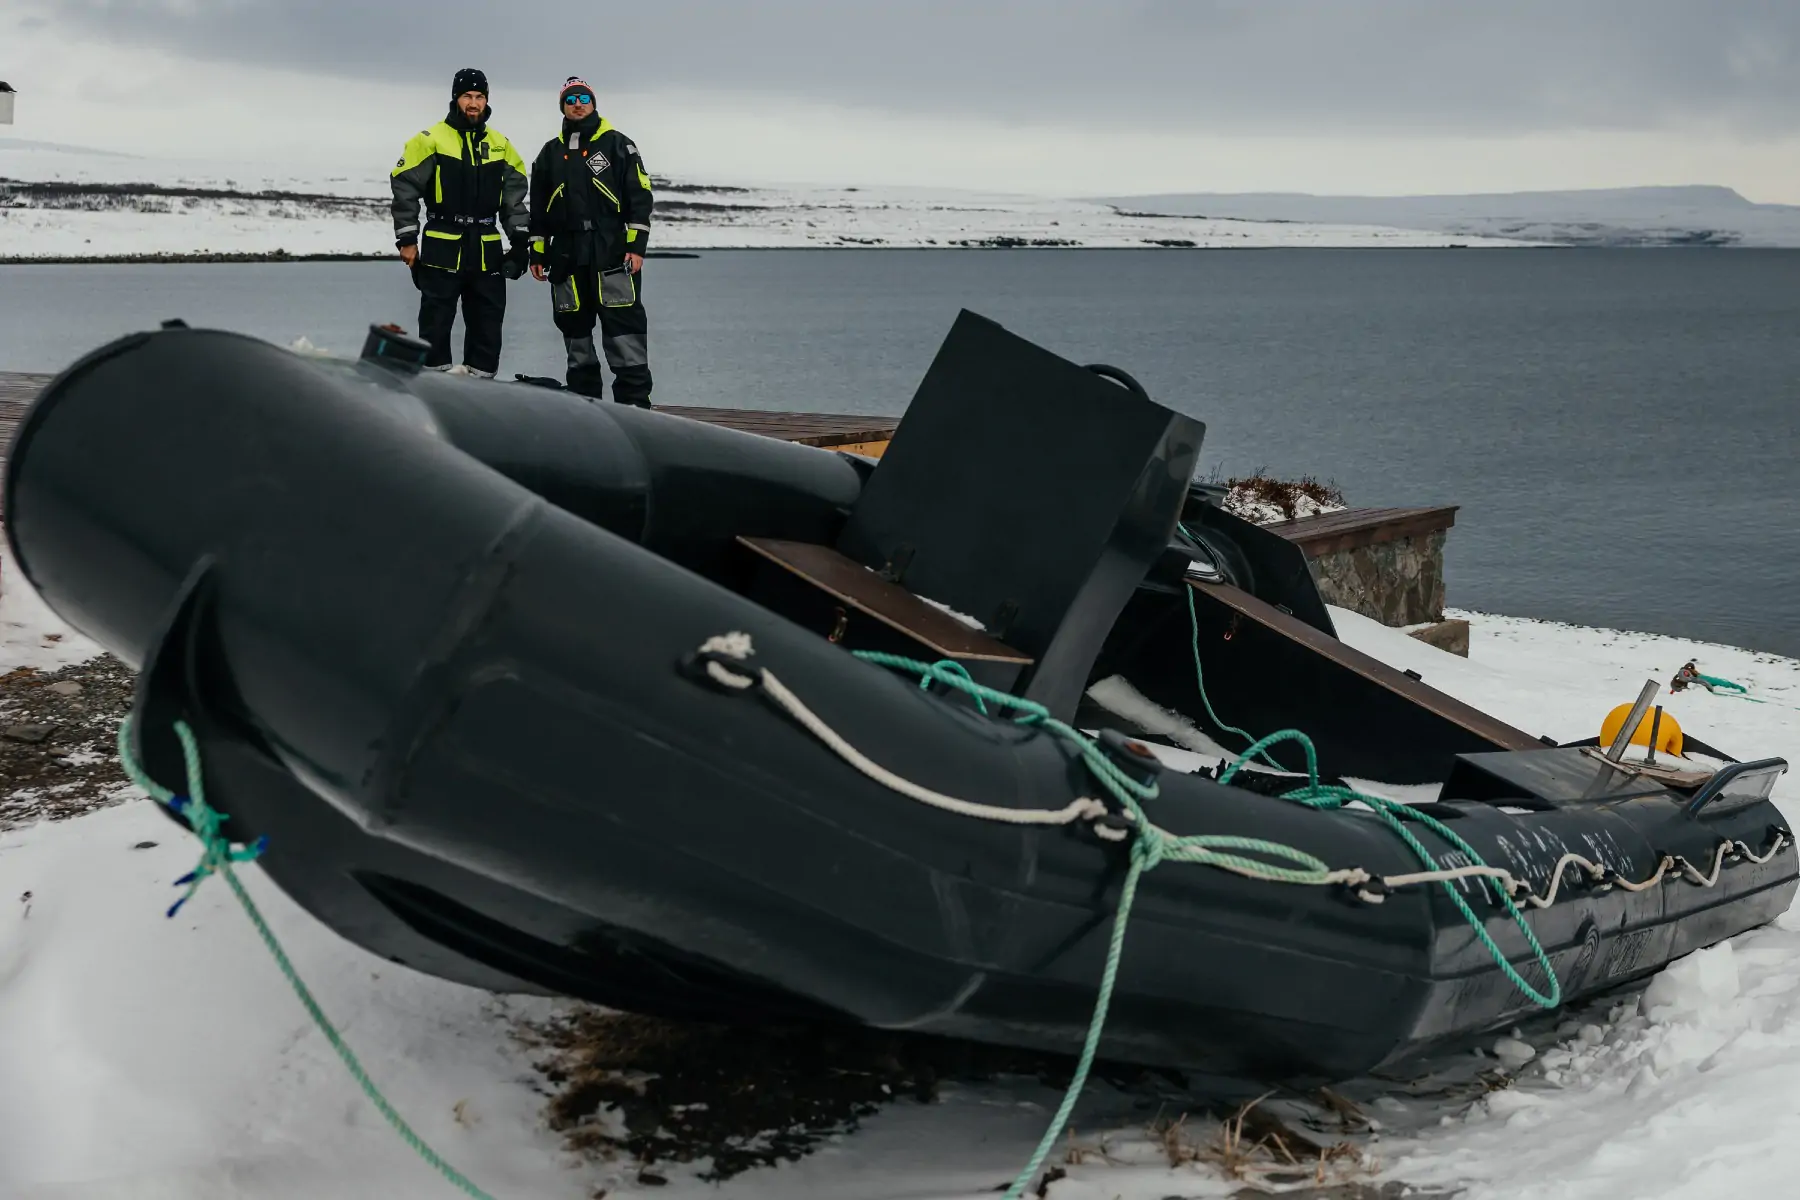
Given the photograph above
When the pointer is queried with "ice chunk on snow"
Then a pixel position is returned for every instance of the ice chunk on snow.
(1513, 1052)
(1699, 984)
(1508, 1101)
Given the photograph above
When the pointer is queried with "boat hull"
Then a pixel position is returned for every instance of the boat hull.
(464, 716)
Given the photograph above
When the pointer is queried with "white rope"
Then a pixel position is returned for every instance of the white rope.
(1774, 849)
(1594, 871)
(732, 645)
(737, 645)
(1086, 808)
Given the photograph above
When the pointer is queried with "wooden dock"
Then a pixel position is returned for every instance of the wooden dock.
(16, 395)
(836, 431)
(1354, 528)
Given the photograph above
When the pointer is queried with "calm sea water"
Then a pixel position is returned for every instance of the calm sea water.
(1621, 428)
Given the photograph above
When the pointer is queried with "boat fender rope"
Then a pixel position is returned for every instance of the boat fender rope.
(721, 657)
(217, 858)
(1669, 868)
(717, 657)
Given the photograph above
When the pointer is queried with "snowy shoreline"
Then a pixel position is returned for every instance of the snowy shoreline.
(70, 203)
(206, 257)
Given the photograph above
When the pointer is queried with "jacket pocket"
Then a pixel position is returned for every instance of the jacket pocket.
(491, 251)
(618, 288)
(441, 250)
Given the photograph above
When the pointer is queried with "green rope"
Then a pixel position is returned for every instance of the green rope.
(1737, 691)
(953, 675)
(951, 665)
(1394, 814)
(1316, 795)
(1153, 846)
(1754, 700)
(1200, 678)
(216, 858)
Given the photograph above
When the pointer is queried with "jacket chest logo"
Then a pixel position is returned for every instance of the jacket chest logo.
(597, 162)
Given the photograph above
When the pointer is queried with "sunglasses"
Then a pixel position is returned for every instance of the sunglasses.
(578, 98)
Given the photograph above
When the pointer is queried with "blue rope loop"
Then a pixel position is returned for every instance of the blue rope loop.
(217, 852)
(216, 848)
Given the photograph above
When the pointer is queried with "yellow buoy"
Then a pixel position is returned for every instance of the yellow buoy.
(1668, 733)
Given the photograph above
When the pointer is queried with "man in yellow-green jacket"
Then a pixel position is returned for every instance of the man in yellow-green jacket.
(471, 183)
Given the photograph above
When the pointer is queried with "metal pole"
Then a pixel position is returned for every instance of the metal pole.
(1617, 751)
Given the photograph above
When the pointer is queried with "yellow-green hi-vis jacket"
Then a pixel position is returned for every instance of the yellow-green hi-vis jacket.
(472, 184)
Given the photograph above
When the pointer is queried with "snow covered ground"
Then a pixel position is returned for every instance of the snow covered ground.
(67, 202)
(1640, 216)
(30, 634)
(146, 1058)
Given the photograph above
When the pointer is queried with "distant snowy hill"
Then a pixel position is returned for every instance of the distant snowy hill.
(70, 202)
(1644, 216)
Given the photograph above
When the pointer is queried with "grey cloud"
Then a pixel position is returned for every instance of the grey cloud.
(1262, 66)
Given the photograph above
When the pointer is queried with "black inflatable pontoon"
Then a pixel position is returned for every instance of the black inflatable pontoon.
(441, 641)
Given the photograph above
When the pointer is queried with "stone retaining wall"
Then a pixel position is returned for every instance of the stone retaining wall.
(1398, 582)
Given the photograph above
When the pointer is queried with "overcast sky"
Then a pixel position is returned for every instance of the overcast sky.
(1062, 96)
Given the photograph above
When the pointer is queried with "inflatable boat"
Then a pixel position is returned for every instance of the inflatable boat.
(543, 695)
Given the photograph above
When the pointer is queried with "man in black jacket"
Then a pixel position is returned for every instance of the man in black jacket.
(472, 183)
(590, 223)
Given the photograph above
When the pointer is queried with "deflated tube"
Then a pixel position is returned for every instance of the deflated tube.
(157, 448)
(335, 520)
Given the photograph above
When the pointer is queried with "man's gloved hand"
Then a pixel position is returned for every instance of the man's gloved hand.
(513, 265)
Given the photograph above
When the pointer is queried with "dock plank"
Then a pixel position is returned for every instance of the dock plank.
(809, 429)
(1481, 724)
(1349, 528)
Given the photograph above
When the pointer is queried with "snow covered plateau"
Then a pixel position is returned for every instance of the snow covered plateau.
(62, 202)
(1642, 216)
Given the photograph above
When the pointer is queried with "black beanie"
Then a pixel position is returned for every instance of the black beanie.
(468, 80)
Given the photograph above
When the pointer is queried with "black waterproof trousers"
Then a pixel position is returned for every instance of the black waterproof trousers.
(583, 297)
(483, 296)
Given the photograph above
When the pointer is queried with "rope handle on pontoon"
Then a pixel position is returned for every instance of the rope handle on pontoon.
(724, 660)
